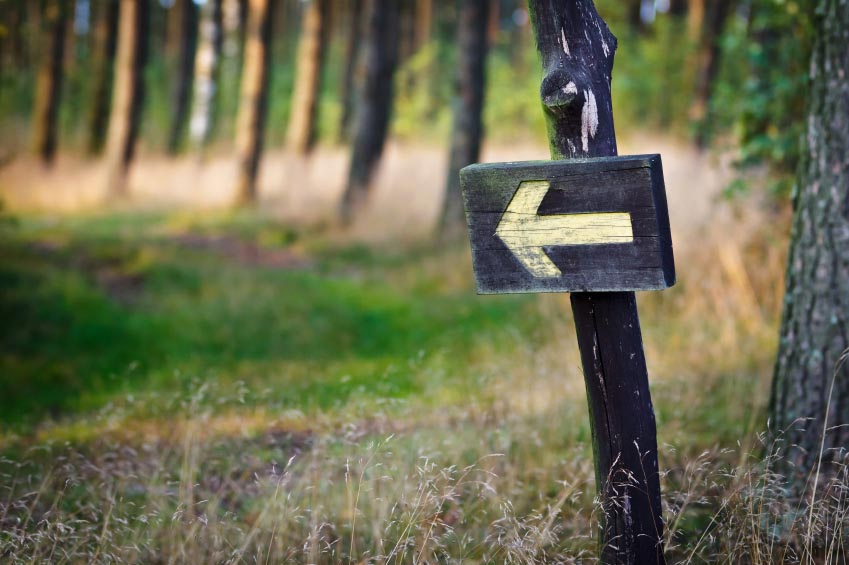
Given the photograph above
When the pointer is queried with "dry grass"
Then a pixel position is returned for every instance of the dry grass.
(500, 473)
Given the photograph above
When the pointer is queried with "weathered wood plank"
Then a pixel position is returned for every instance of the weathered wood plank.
(577, 225)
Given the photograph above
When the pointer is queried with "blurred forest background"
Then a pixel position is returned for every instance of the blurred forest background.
(236, 327)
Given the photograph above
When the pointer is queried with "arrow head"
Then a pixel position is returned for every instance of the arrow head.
(519, 232)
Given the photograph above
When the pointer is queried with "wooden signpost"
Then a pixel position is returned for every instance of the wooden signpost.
(595, 225)
(569, 226)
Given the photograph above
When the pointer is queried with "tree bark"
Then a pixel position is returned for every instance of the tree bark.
(470, 83)
(809, 406)
(49, 91)
(695, 19)
(708, 61)
(207, 67)
(352, 44)
(128, 94)
(375, 106)
(14, 52)
(250, 124)
(186, 12)
(424, 22)
(577, 51)
(301, 135)
(104, 43)
(678, 8)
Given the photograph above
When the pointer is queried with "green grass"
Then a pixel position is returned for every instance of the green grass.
(102, 307)
(226, 388)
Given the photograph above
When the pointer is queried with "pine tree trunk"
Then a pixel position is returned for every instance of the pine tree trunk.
(128, 92)
(186, 12)
(13, 44)
(708, 62)
(678, 8)
(695, 19)
(375, 106)
(50, 81)
(301, 134)
(250, 124)
(207, 67)
(810, 380)
(104, 43)
(352, 44)
(467, 132)
(424, 22)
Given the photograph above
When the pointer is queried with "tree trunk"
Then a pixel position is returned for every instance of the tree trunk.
(207, 66)
(493, 26)
(347, 85)
(186, 11)
(577, 51)
(424, 22)
(250, 124)
(407, 29)
(14, 52)
(105, 40)
(695, 19)
(50, 81)
(635, 16)
(467, 132)
(375, 106)
(678, 8)
(810, 381)
(128, 93)
(708, 64)
(301, 135)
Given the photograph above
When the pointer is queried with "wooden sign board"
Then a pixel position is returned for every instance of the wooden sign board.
(582, 225)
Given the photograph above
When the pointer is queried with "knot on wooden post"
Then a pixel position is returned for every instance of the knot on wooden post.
(563, 91)
(577, 51)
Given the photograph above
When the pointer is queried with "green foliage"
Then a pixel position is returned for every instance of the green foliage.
(654, 78)
(766, 96)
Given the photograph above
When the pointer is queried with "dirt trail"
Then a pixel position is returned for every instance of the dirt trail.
(405, 203)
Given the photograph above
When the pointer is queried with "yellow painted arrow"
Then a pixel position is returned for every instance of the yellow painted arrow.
(525, 233)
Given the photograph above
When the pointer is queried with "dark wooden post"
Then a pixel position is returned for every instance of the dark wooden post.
(577, 50)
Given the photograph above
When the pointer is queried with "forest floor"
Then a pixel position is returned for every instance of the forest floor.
(211, 386)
